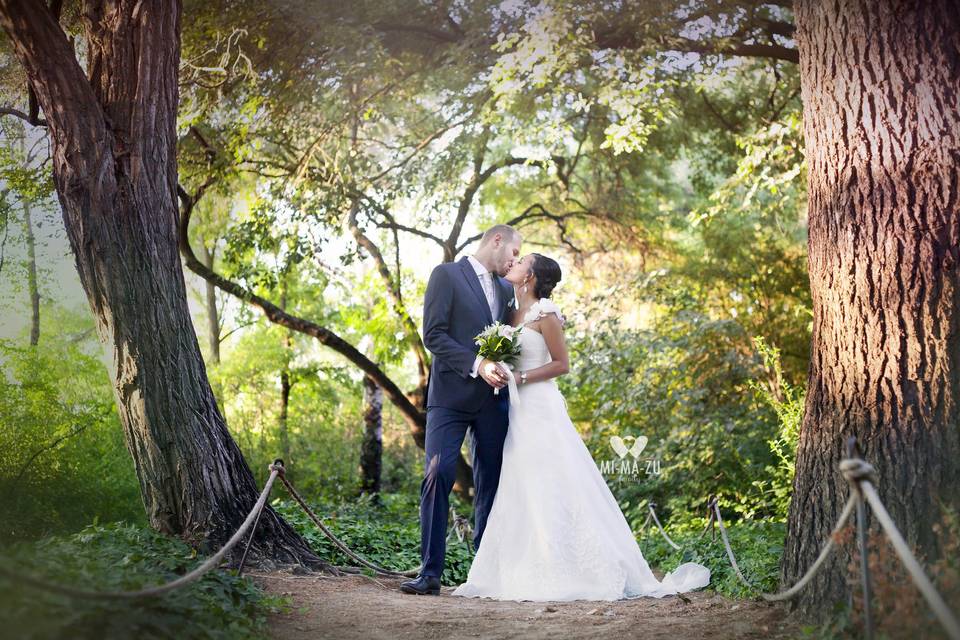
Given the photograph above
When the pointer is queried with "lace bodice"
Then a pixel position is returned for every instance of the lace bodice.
(533, 347)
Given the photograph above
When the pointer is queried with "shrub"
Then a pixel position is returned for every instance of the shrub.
(757, 545)
(63, 461)
(127, 557)
(385, 533)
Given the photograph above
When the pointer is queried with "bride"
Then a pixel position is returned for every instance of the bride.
(555, 532)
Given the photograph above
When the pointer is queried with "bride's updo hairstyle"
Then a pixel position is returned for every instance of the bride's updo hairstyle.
(547, 272)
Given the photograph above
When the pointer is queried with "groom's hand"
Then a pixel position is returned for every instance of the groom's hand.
(492, 373)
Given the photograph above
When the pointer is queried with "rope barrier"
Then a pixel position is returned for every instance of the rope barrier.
(946, 617)
(652, 514)
(650, 506)
(808, 576)
(337, 542)
(195, 574)
(645, 523)
(861, 476)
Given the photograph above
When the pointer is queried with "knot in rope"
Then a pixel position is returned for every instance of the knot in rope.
(277, 466)
(856, 469)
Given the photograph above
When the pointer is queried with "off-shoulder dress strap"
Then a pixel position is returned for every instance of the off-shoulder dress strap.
(541, 308)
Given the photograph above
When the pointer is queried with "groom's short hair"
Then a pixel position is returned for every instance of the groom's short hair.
(506, 232)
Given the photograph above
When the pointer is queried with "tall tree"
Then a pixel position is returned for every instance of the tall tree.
(33, 289)
(371, 454)
(882, 124)
(32, 286)
(213, 311)
(113, 131)
(286, 383)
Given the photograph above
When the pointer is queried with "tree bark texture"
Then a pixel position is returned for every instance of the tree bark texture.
(114, 167)
(880, 105)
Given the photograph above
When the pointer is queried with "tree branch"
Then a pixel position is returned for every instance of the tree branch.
(416, 419)
(391, 222)
(35, 121)
(532, 213)
(54, 76)
(479, 178)
(619, 40)
(431, 32)
(49, 446)
(393, 289)
(716, 112)
(393, 286)
(275, 314)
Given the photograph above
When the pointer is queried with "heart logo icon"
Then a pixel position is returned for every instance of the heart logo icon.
(638, 446)
(619, 446)
(631, 445)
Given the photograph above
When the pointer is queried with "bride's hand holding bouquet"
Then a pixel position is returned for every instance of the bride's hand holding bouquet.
(500, 343)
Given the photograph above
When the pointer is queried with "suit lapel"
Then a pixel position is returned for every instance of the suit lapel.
(473, 281)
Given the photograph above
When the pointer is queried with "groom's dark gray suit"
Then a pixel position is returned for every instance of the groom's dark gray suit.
(455, 310)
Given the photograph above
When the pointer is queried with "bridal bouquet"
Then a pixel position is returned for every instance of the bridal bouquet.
(499, 342)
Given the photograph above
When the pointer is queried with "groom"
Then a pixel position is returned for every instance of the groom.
(462, 298)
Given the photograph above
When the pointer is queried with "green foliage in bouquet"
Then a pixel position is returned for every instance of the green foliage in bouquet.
(499, 342)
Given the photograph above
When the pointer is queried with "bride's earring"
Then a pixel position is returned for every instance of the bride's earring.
(524, 289)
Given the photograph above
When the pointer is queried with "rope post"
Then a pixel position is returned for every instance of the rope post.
(859, 471)
(339, 544)
(278, 467)
(642, 533)
(852, 453)
(711, 518)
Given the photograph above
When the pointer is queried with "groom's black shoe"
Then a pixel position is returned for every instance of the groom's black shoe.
(422, 586)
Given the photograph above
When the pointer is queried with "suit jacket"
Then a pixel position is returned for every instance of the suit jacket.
(455, 310)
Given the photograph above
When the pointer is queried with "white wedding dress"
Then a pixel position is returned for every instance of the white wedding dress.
(555, 531)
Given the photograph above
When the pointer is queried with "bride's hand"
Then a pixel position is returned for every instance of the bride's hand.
(492, 373)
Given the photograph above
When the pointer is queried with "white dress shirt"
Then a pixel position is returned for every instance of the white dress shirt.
(490, 291)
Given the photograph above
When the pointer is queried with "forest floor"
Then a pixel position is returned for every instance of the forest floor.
(359, 607)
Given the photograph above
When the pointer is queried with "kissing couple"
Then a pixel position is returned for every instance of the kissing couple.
(550, 528)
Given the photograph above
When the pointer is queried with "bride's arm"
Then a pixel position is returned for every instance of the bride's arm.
(552, 330)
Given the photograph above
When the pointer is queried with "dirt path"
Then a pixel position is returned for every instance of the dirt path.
(356, 607)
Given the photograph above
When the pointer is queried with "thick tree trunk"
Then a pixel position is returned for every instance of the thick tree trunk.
(371, 453)
(115, 172)
(880, 95)
(32, 287)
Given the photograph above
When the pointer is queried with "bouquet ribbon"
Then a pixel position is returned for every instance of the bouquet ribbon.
(512, 386)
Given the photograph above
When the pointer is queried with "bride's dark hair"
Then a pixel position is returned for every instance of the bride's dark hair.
(547, 272)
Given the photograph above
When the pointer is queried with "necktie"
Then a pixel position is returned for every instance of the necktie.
(487, 281)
